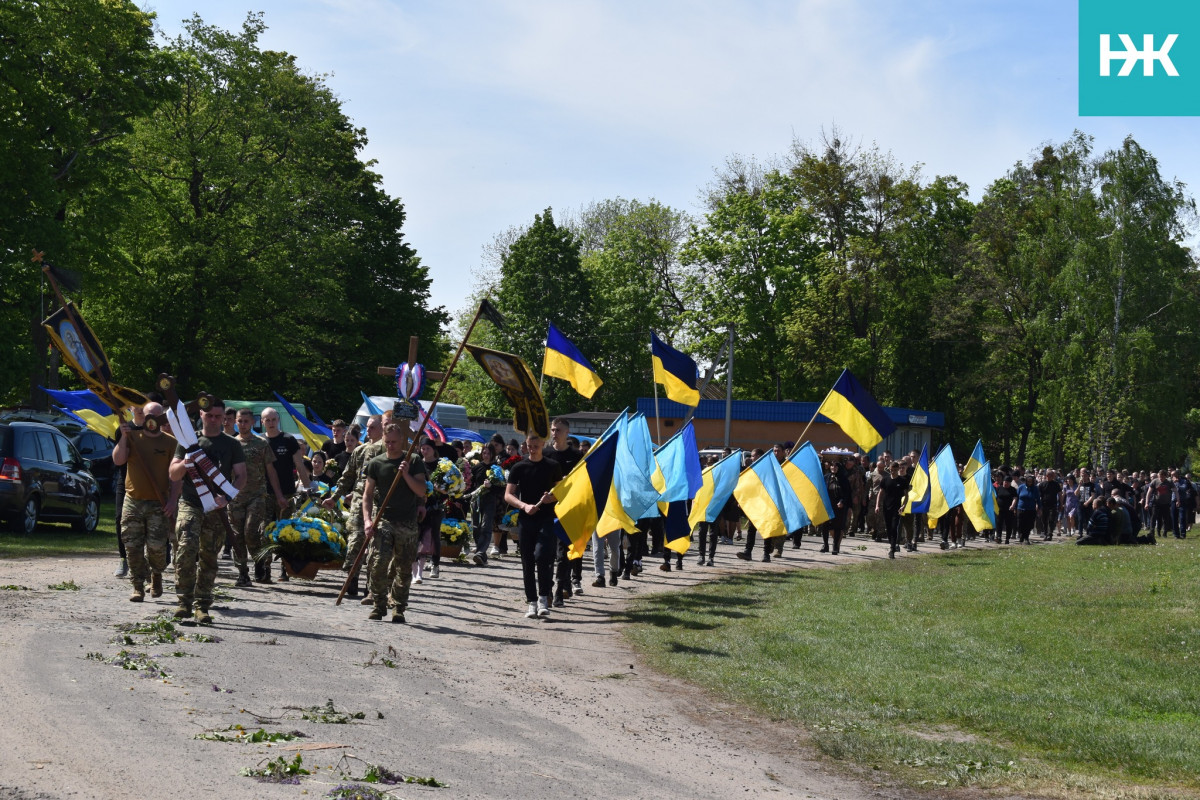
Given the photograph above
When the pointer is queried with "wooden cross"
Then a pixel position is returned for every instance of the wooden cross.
(412, 361)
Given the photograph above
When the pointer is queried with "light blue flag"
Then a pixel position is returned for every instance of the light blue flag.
(631, 486)
(641, 449)
(945, 486)
(372, 409)
(679, 460)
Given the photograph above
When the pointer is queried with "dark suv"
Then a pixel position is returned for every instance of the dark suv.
(42, 476)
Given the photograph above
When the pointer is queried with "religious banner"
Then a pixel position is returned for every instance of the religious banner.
(513, 377)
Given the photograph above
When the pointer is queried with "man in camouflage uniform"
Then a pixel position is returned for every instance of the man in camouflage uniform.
(350, 484)
(248, 511)
(200, 534)
(402, 482)
(145, 518)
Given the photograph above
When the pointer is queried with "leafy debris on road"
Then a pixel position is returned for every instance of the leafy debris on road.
(12, 587)
(375, 773)
(65, 586)
(330, 715)
(127, 659)
(237, 733)
(160, 630)
(277, 770)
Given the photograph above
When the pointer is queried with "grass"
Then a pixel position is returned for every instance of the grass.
(58, 539)
(1062, 670)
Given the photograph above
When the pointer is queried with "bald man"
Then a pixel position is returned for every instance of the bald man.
(150, 500)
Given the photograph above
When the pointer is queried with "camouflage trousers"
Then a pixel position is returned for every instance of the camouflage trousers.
(355, 537)
(248, 518)
(391, 566)
(144, 530)
(199, 538)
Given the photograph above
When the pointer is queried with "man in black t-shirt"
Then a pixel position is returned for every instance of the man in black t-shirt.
(568, 572)
(337, 445)
(396, 536)
(288, 464)
(529, 483)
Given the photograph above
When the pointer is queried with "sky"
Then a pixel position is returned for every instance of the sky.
(481, 115)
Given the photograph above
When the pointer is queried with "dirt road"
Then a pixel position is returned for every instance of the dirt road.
(471, 693)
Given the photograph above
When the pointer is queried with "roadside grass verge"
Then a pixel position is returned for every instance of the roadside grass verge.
(57, 539)
(1062, 670)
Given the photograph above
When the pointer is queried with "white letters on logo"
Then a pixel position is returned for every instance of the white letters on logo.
(1131, 55)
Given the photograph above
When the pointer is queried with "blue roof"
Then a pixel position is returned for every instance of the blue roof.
(771, 411)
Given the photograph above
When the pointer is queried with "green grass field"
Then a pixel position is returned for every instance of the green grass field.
(57, 539)
(1064, 669)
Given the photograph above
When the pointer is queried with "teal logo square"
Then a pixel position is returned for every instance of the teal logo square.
(1139, 58)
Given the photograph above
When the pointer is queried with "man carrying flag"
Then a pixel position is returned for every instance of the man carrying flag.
(528, 491)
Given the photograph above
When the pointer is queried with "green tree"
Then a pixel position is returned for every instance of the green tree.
(258, 251)
(542, 280)
(73, 77)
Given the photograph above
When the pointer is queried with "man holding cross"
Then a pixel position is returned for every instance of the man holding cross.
(398, 485)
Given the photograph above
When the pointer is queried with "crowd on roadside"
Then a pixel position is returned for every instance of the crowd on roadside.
(503, 487)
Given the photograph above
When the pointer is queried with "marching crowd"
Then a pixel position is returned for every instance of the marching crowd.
(394, 513)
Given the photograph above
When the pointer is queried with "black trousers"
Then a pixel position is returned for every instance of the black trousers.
(538, 544)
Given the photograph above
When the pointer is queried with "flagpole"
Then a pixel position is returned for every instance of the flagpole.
(804, 433)
(657, 428)
(408, 453)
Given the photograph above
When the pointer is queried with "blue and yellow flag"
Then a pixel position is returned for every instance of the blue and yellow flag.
(676, 372)
(917, 500)
(583, 493)
(805, 476)
(88, 407)
(854, 411)
(945, 486)
(631, 487)
(767, 500)
(679, 461)
(979, 501)
(315, 434)
(976, 460)
(563, 360)
(716, 487)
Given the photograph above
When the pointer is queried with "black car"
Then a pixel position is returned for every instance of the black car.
(97, 451)
(43, 476)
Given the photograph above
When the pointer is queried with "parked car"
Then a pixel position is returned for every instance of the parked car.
(43, 476)
(97, 451)
(95, 448)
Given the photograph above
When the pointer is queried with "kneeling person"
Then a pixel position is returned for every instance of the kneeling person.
(396, 534)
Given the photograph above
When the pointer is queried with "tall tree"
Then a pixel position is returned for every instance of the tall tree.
(542, 280)
(259, 252)
(73, 77)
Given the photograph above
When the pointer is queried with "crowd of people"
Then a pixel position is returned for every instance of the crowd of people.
(394, 512)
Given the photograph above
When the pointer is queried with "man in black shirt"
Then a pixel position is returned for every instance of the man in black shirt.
(529, 484)
(288, 464)
(568, 572)
(337, 445)
(1050, 490)
(199, 534)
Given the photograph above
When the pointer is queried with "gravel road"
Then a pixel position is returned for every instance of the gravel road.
(471, 693)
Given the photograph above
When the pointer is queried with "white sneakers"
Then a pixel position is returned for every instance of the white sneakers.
(436, 572)
(492, 551)
(532, 612)
(543, 607)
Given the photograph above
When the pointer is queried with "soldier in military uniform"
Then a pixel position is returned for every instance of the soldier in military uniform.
(248, 511)
(200, 534)
(150, 501)
(350, 484)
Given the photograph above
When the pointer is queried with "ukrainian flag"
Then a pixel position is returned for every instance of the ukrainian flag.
(767, 500)
(679, 461)
(917, 501)
(945, 486)
(805, 476)
(676, 372)
(315, 434)
(563, 360)
(87, 406)
(854, 411)
(976, 460)
(583, 493)
(716, 487)
(980, 498)
(631, 489)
